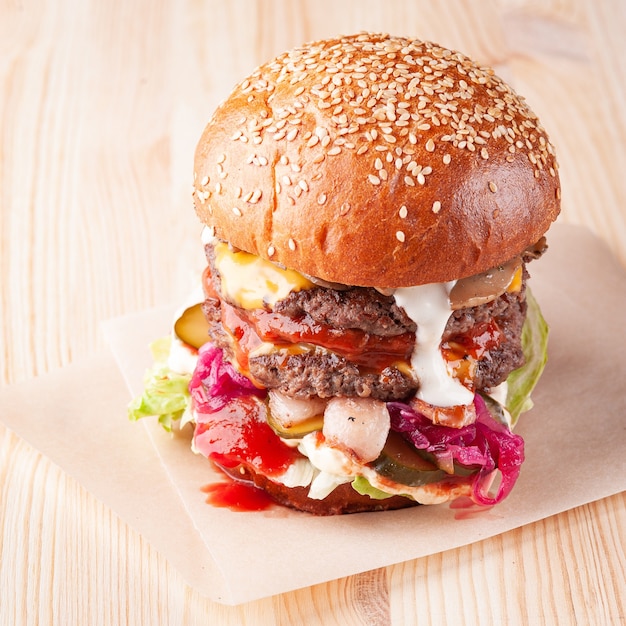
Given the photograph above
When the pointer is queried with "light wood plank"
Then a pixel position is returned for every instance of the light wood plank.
(100, 106)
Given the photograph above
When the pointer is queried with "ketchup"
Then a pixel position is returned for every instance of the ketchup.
(479, 340)
(237, 496)
(251, 328)
(238, 434)
(464, 351)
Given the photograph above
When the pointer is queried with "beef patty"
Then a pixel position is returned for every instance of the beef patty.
(326, 374)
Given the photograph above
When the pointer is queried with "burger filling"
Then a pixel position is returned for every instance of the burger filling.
(314, 385)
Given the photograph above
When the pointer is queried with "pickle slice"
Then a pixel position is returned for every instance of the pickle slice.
(192, 328)
(401, 463)
(296, 431)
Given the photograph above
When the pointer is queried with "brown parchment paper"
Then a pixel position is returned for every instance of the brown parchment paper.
(575, 448)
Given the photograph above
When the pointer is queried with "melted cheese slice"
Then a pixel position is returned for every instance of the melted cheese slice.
(252, 282)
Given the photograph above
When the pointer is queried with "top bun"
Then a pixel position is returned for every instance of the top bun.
(377, 161)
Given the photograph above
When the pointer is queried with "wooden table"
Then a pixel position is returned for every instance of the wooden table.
(101, 104)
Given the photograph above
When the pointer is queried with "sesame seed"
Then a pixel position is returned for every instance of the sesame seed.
(403, 212)
(321, 199)
(237, 211)
(436, 206)
(417, 87)
(256, 195)
(271, 250)
(292, 244)
(400, 236)
(221, 158)
(493, 187)
(205, 181)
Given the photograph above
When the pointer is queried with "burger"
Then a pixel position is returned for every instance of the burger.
(365, 339)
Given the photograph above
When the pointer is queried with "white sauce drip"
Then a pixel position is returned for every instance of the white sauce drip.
(181, 359)
(332, 465)
(429, 307)
(207, 236)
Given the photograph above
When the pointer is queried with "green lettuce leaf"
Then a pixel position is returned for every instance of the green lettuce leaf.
(522, 381)
(165, 393)
(363, 486)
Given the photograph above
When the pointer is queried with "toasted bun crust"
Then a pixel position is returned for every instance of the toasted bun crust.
(377, 161)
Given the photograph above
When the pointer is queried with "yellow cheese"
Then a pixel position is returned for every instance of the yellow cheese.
(252, 282)
(516, 282)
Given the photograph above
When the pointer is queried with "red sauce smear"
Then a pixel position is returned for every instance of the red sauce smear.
(237, 496)
(239, 434)
(251, 328)
(476, 343)
(464, 351)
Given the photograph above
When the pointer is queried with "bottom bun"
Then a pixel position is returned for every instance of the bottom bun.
(342, 500)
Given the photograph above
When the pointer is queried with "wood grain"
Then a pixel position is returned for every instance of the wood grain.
(101, 104)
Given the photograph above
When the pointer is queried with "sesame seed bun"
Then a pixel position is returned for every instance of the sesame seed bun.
(376, 161)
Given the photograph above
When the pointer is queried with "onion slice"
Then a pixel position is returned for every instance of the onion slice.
(358, 424)
(289, 412)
